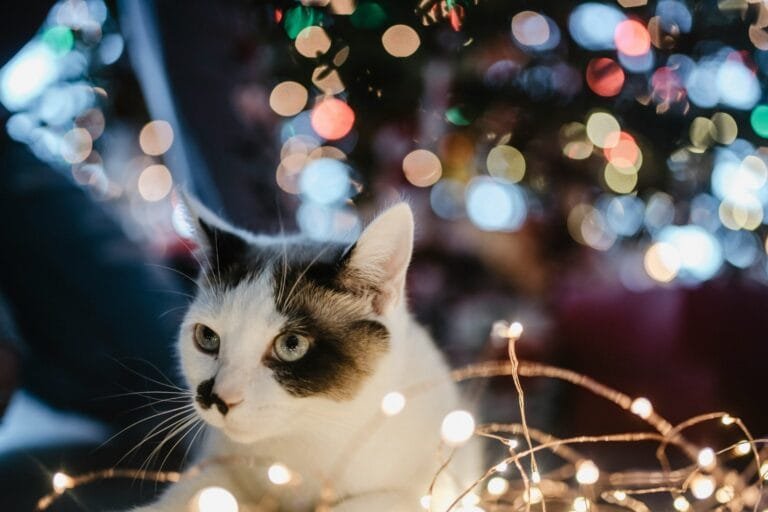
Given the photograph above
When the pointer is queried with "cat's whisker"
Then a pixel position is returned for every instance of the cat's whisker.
(143, 420)
(168, 385)
(168, 437)
(175, 270)
(178, 441)
(162, 427)
(200, 428)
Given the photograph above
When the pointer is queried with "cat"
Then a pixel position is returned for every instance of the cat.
(290, 346)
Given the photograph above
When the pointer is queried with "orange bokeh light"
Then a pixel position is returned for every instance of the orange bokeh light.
(332, 118)
(625, 154)
(632, 38)
(605, 77)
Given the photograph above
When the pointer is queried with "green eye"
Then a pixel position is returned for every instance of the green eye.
(206, 339)
(291, 346)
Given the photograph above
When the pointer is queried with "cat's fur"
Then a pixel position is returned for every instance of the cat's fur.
(323, 411)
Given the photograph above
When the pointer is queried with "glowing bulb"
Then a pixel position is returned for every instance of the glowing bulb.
(216, 499)
(641, 407)
(581, 504)
(457, 428)
(392, 403)
(515, 330)
(279, 474)
(620, 495)
(497, 486)
(728, 419)
(764, 471)
(536, 477)
(533, 495)
(587, 472)
(725, 494)
(470, 500)
(425, 501)
(512, 443)
(702, 487)
(681, 504)
(706, 458)
(62, 482)
(501, 467)
(743, 448)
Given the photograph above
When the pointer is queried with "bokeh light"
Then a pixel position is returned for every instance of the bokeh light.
(759, 120)
(216, 499)
(76, 145)
(288, 98)
(592, 25)
(495, 205)
(332, 118)
(535, 31)
(327, 80)
(325, 181)
(312, 41)
(457, 428)
(400, 41)
(575, 142)
(155, 182)
(279, 474)
(392, 403)
(605, 77)
(700, 253)
(625, 156)
(619, 181)
(422, 168)
(632, 38)
(603, 130)
(506, 162)
(156, 137)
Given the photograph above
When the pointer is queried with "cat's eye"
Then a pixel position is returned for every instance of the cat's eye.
(291, 346)
(206, 339)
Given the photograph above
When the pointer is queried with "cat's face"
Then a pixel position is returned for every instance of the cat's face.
(283, 330)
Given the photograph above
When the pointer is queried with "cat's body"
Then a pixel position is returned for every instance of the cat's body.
(291, 347)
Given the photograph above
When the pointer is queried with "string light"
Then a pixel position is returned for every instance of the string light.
(216, 499)
(279, 474)
(587, 472)
(702, 486)
(392, 403)
(641, 407)
(681, 504)
(61, 482)
(581, 504)
(425, 501)
(706, 458)
(457, 427)
(497, 486)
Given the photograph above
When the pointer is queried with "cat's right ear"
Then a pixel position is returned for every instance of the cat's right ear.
(218, 241)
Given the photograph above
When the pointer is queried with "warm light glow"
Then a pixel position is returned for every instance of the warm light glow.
(155, 182)
(392, 403)
(728, 420)
(332, 118)
(641, 407)
(605, 77)
(725, 494)
(288, 98)
(76, 145)
(587, 472)
(422, 168)
(536, 477)
(216, 499)
(312, 41)
(706, 458)
(400, 41)
(702, 486)
(506, 162)
(497, 486)
(515, 331)
(743, 448)
(279, 474)
(764, 470)
(457, 427)
(662, 263)
(501, 467)
(530, 28)
(581, 504)
(156, 137)
(425, 501)
(62, 482)
(681, 504)
(603, 130)
(533, 495)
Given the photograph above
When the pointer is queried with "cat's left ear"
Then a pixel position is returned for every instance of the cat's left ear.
(220, 242)
(382, 254)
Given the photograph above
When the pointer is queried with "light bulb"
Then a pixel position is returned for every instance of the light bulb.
(457, 428)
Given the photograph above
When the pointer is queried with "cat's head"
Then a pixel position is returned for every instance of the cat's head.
(284, 328)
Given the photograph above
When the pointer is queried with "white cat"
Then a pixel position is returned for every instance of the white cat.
(290, 346)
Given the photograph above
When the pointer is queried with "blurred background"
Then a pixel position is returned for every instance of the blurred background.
(597, 171)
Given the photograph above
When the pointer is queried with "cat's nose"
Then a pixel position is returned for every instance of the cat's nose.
(225, 401)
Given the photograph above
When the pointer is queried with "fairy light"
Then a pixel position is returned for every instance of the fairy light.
(702, 486)
(706, 458)
(728, 420)
(470, 500)
(535, 477)
(512, 443)
(457, 427)
(279, 474)
(581, 504)
(587, 472)
(681, 504)
(743, 448)
(425, 501)
(216, 499)
(533, 495)
(497, 486)
(764, 471)
(392, 403)
(725, 494)
(501, 467)
(61, 482)
(641, 407)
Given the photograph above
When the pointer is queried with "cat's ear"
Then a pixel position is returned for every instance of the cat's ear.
(219, 242)
(382, 254)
